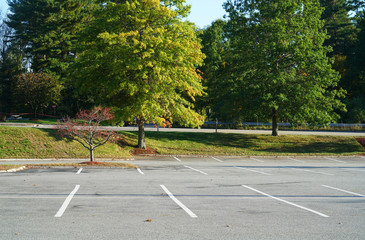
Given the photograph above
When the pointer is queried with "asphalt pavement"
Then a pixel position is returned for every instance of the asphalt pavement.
(189, 198)
(206, 130)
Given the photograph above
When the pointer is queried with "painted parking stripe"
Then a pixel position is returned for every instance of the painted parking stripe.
(357, 194)
(255, 159)
(296, 160)
(67, 202)
(177, 159)
(218, 160)
(187, 210)
(335, 160)
(196, 170)
(264, 173)
(140, 171)
(78, 172)
(306, 170)
(287, 202)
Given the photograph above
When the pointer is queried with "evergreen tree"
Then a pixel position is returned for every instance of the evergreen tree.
(279, 64)
(46, 30)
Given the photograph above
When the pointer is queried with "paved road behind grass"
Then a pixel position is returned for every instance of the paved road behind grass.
(149, 128)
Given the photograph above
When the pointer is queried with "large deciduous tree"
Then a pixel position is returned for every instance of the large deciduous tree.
(279, 64)
(141, 57)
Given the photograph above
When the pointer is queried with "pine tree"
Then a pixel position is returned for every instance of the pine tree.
(46, 30)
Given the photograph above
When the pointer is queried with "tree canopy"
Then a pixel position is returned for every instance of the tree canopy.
(141, 57)
(279, 62)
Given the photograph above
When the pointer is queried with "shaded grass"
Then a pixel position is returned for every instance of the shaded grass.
(242, 145)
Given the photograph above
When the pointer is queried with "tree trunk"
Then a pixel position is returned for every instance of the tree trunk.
(141, 134)
(275, 128)
(91, 155)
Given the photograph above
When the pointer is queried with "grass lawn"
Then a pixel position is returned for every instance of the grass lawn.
(40, 143)
(248, 145)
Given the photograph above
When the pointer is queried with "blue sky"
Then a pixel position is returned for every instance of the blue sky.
(203, 12)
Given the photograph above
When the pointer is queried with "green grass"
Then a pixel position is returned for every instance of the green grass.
(243, 145)
(38, 121)
(40, 143)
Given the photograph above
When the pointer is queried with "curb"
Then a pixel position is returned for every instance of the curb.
(13, 169)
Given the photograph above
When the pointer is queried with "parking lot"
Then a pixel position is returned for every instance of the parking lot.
(189, 198)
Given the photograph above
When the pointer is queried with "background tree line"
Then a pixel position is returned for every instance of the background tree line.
(267, 61)
(343, 22)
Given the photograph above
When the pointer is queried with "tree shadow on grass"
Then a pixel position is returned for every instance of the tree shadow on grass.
(339, 147)
(213, 139)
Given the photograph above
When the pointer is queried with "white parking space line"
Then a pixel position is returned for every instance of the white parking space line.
(306, 170)
(177, 159)
(335, 160)
(196, 170)
(357, 194)
(67, 202)
(78, 172)
(187, 210)
(296, 160)
(140, 171)
(352, 169)
(264, 173)
(218, 160)
(257, 160)
(287, 202)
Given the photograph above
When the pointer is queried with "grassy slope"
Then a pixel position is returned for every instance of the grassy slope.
(37, 143)
(241, 144)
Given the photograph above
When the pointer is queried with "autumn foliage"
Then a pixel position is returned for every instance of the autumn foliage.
(86, 128)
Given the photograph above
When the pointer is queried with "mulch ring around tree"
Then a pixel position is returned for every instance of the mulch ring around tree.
(138, 151)
(361, 141)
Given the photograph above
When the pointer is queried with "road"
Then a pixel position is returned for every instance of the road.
(189, 198)
(151, 128)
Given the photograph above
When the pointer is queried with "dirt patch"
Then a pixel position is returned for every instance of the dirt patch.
(93, 163)
(361, 141)
(138, 151)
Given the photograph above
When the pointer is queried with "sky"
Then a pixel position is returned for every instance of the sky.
(203, 12)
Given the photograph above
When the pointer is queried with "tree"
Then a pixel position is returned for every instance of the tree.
(46, 30)
(278, 62)
(86, 128)
(215, 46)
(141, 57)
(355, 79)
(36, 91)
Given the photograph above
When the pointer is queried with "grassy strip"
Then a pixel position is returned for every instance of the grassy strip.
(248, 145)
(4, 167)
(41, 143)
(77, 165)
